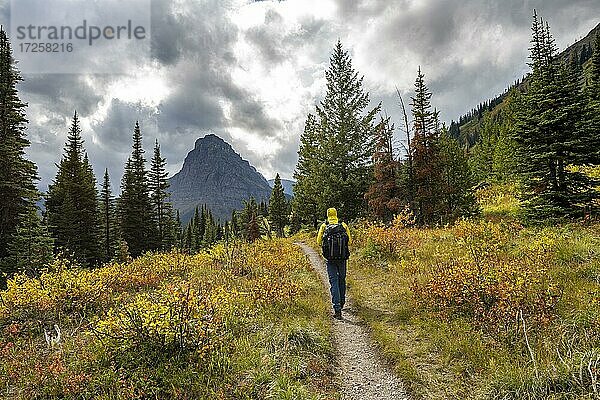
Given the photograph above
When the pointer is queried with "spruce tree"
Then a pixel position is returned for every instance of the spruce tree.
(178, 233)
(250, 220)
(198, 224)
(458, 180)
(426, 157)
(17, 174)
(72, 203)
(107, 218)
(162, 208)
(551, 136)
(592, 94)
(335, 156)
(135, 207)
(308, 199)
(30, 248)
(278, 207)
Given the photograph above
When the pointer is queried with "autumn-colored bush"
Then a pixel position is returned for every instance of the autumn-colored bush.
(179, 318)
(487, 283)
(65, 287)
(161, 326)
(492, 295)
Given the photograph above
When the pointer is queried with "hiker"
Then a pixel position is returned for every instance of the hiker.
(334, 238)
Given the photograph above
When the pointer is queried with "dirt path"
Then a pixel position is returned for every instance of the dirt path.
(363, 375)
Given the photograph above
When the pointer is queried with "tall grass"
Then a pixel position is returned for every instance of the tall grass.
(238, 322)
(483, 309)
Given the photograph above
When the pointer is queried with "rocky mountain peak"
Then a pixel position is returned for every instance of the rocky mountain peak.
(214, 174)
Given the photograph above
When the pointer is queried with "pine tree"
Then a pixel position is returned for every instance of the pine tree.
(135, 207)
(17, 174)
(210, 229)
(250, 220)
(163, 210)
(334, 165)
(30, 249)
(72, 203)
(198, 224)
(426, 157)
(308, 199)
(189, 239)
(278, 207)
(107, 218)
(382, 195)
(178, 233)
(592, 94)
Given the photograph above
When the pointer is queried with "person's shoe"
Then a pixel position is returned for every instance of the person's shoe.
(337, 314)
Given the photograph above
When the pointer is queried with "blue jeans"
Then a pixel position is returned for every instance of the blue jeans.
(336, 269)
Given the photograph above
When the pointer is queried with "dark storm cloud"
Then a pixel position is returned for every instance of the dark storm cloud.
(65, 92)
(204, 37)
(469, 50)
(276, 45)
(116, 130)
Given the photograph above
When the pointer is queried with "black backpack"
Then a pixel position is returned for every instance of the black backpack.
(335, 242)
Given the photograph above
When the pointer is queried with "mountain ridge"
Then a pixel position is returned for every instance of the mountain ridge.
(468, 126)
(214, 174)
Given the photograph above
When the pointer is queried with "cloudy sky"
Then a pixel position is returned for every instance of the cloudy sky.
(250, 71)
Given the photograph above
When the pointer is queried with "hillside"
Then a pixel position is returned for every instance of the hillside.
(468, 126)
(215, 175)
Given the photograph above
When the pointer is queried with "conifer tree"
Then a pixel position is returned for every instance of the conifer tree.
(189, 240)
(30, 248)
(17, 174)
(163, 210)
(234, 224)
(135, 207)
(458, 180)
(382, 195)
(278, 207)
(72, 203)
(551, 137)
(426, 156)
(210, 229)
(308, 198)
(250, 220)
(198, 225)
(107, 218)
(178, 234)
(592, 94)
(334, 165)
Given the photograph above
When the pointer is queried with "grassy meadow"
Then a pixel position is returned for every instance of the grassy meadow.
(236, 322)
(484, 309)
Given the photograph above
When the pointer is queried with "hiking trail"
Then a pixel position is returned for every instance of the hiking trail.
(362, 374)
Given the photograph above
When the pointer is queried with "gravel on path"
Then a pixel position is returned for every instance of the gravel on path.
(363, 375)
